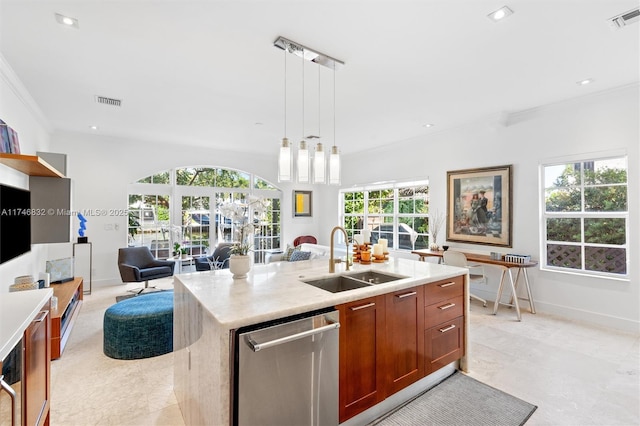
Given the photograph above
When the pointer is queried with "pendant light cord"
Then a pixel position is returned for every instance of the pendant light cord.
(334, 104)
(285, 92)
(318, 101)
(302, 93)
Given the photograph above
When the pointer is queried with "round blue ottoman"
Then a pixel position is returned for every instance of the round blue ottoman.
(139, 327)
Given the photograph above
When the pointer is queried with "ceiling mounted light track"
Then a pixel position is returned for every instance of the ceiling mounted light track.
(307, 53)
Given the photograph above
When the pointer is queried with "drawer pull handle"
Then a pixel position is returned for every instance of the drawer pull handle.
(43, 315)
(402, 296)
(444, 330)
(368, 305)
(447, 284)
(447, 306)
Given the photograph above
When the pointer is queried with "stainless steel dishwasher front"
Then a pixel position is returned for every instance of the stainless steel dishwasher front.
(287, 372)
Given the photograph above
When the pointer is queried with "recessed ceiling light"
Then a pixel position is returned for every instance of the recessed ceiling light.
(94, 127)
(585, 82)
(427, 125)
(500, 14)
(67, 21)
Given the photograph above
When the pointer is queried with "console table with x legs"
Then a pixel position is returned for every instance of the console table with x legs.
(506, 267)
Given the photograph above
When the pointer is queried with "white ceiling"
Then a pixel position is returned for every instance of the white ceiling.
(207, 73)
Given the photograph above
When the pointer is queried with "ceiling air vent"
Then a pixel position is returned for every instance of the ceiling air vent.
(625, 19)
(108, 101)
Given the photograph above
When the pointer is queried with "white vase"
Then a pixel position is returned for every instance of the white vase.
(239, 265)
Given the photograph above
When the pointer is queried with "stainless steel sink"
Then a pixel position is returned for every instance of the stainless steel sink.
(351, 281)
(374, 277)
(337, 283)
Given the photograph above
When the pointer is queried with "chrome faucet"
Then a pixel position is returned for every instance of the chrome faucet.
(332, 262)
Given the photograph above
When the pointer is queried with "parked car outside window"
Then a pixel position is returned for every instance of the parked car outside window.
(406, 236)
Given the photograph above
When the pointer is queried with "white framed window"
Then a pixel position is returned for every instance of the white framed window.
(585, 216)
(182, 206)
(398, 212)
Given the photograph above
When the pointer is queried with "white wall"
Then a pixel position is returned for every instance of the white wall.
(602, 122)
(19, 111)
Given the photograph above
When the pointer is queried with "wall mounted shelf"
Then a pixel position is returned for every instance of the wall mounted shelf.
(31, 165)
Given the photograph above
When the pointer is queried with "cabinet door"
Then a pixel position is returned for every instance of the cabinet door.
(361, 365)
(404, 340)
(37, 364)
(50, 194)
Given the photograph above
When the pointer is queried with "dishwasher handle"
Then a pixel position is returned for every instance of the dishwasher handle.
(12, 393)
(255, 346)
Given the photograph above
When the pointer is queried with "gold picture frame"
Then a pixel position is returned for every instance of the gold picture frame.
(479, 204)
(302, 203)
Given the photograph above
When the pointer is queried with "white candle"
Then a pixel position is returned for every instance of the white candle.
(383, 242)
(358, 239)
(366, 236)
(377, 249)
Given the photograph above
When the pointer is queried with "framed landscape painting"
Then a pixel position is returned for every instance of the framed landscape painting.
(479, 203)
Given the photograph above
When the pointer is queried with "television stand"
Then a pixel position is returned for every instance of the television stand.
(69, 296)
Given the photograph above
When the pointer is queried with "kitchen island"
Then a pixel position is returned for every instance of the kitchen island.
(210, 306)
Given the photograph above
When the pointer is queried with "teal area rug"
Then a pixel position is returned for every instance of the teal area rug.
(460, 400)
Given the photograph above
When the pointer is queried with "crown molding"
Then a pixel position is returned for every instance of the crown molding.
(8, 76)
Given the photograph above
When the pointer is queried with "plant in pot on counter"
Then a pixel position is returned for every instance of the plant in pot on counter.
(239, 214)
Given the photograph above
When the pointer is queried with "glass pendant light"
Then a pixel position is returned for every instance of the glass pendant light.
(334, 166)
(303, 151)
(319, 164)
(285, 163)
(303, 163)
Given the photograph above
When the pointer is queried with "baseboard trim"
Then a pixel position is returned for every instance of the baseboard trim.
(593, 318)
(565, 312)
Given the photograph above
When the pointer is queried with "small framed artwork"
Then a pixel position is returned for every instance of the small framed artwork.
(9, 143)
(479, 203)
(301, 203)
(5, 142)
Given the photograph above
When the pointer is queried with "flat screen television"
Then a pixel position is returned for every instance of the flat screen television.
(15, 222)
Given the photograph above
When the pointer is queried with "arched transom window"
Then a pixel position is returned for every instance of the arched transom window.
(178, 211)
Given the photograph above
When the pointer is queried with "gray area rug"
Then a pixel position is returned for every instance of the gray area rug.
(460, 400)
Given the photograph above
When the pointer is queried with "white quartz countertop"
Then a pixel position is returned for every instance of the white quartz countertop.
(275, 290)
(17, 310)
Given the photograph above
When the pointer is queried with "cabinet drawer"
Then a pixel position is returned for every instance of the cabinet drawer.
(443, 290)
(444, 344)
(443, 311)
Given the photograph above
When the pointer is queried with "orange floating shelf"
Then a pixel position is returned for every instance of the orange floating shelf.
(31, 165)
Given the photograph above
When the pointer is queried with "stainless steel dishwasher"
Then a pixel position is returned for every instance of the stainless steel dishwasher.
(286, 372)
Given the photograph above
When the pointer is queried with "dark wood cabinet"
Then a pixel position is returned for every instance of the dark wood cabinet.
(390, 341)
(36, 388)
(444, 323)
(362, 335)
(404, 338)
(70, 297)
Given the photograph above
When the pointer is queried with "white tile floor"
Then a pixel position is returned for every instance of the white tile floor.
(575, 374)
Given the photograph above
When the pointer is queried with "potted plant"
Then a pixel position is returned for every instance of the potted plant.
(176, 249)
(238, 213)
